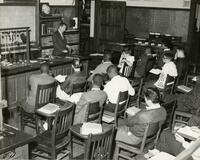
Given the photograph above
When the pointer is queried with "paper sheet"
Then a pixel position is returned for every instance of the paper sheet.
(155, 71)
(60, 78)
(49, 108)
(184, 88)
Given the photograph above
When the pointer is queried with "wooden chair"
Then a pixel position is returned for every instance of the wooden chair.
(121, 106)
(45, 94)
(128, 71)
(170, 109)
(94, 112)
(79, 87)
(180, 117)
(147, 139)
(54, 141)
(98, 146)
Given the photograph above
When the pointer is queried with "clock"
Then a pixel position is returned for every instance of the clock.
(45, 9)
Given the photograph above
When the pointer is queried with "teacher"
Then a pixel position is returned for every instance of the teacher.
(59, 42)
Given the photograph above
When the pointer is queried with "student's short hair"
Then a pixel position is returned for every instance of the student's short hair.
(97, 79)
(112, 68)
(152, 94)
(169, 55)
(63, 24)
(107, 57)
(44, 67)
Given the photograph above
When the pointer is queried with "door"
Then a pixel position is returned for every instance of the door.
(111, 22)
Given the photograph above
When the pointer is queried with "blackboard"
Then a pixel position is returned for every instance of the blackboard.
(141, 21)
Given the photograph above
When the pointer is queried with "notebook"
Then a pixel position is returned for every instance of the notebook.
(155, 71)
(91, 128)
(49, 108)
(184, 88)
(60, 78)
(107, 118)
(132, 111)
(189, 133)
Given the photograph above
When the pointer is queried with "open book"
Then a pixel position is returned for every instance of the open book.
(91, 128)
(49, 108)
(132, 111)
(60, 78)
(184, 88)
(155, 71)
(163, 156)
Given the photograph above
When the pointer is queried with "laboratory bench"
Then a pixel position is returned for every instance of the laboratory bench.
(15, 78)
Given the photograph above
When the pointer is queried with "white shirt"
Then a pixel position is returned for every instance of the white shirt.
(179, 54)
(128, 57)
(168, 69)
(116, 85)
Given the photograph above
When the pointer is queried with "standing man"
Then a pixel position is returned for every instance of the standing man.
(59, 42)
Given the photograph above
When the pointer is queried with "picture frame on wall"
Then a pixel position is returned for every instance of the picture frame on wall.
(45, 9)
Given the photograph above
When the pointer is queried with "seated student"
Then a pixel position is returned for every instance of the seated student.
(116, 84)
(94, 95)
(174, 143)
(34, 80)
(143, 65)
(76, 77)
(189, 102)
(126, 58)
(133, 131)
(101, 68)
(168, 69)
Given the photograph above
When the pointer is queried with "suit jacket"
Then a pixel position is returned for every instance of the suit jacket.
(59, 44)
(74, 78)
(86, 98)
(34, 80)
(138, 121)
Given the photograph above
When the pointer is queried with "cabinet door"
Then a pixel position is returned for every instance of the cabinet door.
(11, 90)
(22, 86)
(3, 89)
(111, 21)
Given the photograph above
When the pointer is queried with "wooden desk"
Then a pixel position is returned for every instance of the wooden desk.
(19, 139)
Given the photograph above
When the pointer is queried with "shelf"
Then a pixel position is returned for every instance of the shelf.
(74, 43)
(47, 47)
(50, 19)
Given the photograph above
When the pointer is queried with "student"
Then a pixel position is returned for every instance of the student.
(116, 84)
(77, 77)
(126, 58)
(168, 69)
(94, 95)
(34, 81)
(133, 131)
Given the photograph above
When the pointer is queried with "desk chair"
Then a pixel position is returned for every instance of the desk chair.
(170, 109)
(97, 146)
(54, 141)
(94, 112)
(121, 106)
(180, 117)
(147, 139)
(45, 94)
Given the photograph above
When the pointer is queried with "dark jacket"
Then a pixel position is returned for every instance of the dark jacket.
(138, 121)
(59, 44)
(74, 78)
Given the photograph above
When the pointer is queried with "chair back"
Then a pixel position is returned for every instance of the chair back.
(151, 134)
(127, 71)
(121, 106)
(62, 123)
(99, 145)
(93, 112)
(79, 87)
(45, 94)
(170, 109)
(169, 85)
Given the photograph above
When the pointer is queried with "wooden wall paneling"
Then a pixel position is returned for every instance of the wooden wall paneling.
(11, 90)
(22, 87)
(3, 88)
